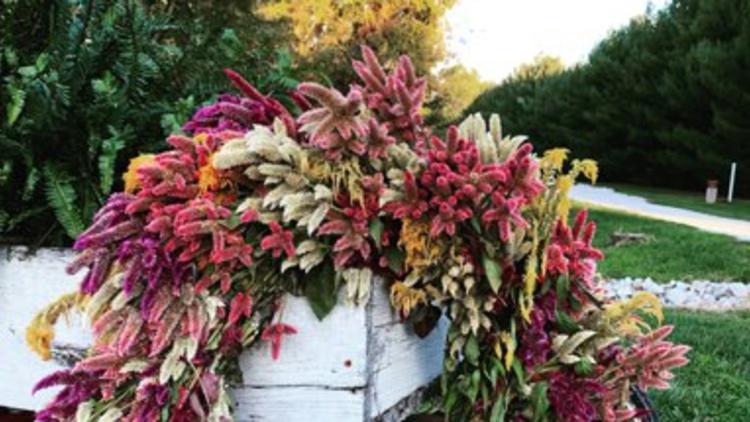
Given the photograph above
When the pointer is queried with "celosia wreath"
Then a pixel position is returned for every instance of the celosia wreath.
(188, 266)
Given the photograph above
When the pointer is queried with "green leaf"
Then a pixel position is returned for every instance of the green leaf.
(17, 100)
(584, 367)
(232, 222)
(562, 288)
(475, 224)
(376, 231)
(30, 186)
(62, 198)
(539, 401)
(498, 410)
(27, 71)
(110, 147)
(450, 400)
(471, 350)
(474, 381)
(518, 370)
(395, 259)
(493, 272)
(565, 323)
(320, 289)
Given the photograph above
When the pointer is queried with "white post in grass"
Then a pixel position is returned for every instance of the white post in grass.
(732, 174)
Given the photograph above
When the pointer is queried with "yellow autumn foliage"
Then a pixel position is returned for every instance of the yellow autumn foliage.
(331, 30)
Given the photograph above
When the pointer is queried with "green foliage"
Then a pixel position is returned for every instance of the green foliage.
(662, 101)
(320, 289)
(88, 84)
(676, 252)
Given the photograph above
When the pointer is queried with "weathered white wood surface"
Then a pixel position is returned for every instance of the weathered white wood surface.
(353, 366)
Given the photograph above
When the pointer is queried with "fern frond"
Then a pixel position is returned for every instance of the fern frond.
(61, 197)
(110, 148)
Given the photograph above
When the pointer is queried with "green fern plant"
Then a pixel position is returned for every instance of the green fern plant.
(61, 196)
(85, 85)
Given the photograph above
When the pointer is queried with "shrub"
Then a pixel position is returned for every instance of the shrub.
(87, 84)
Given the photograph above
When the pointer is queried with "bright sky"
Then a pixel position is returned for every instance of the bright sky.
(495, 36)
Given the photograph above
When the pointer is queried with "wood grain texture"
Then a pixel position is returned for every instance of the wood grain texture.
(352, 366)
(401, 361)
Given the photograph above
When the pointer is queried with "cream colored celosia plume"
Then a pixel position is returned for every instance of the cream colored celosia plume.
(493, 148)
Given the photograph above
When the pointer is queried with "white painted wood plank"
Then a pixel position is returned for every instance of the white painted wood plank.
(299, 404)
(332, 352)
(401, 361)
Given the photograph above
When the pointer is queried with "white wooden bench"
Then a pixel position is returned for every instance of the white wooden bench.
(358, 364)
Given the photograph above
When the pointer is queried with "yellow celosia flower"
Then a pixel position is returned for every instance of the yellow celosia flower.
(589, 168)
(530, 276)
(41, 330)
(130, 177)
(510, 348)
(208, 178)
(421, 250)
(621, 315)
(564, 184)
(345, 177)
(555, 158)
(405, 298)
(200, 138)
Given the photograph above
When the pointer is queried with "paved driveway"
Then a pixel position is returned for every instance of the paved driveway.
(609, 198)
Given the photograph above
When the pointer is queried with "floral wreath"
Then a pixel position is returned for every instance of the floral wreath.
(188, 266)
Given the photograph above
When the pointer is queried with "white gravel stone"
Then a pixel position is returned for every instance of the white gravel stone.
(698, 294)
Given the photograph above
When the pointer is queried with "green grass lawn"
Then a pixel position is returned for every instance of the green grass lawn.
(715, 385)
(676, 251)
(739, 208)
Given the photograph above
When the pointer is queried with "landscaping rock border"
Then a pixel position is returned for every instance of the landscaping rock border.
(698, 294)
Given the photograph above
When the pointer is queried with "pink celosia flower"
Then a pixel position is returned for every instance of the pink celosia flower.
(504, 212)
(241, 305)
(352, 226)
(652, 359)
(274, 333)
(396, 99)
(278, 241)
(336, 126)
(570, 251)
(240, 114)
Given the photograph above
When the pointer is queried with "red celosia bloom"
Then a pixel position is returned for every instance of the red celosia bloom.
(522, 169)
(396, 99)
(231, 112)
(352, 226)
(504, 212)
(278, 241)
(535, 346)
(652, 359)
(241, 305)
(336, 126)
(571, 252)
(274, 333)
(413, 205)
(377, 139)
(572, 397)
